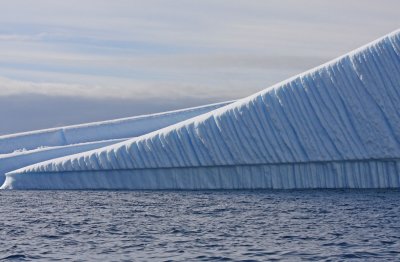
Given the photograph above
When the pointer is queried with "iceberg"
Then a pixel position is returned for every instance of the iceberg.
(334, 126)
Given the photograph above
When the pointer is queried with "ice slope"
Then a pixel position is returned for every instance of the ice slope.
(99, 131)
(337, 125)
(16, 160)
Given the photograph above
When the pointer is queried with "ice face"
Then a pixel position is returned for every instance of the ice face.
(341, 174)
(346, 111)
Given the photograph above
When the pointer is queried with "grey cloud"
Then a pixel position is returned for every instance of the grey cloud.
(144, 51)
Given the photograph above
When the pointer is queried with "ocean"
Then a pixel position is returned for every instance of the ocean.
(289, 225)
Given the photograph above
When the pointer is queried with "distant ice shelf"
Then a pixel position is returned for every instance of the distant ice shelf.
(27, 148)
(99, 131)
(335, 126)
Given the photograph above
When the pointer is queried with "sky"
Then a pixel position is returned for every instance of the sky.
(70, 62)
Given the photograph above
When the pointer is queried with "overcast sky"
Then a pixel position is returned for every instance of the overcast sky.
(66, 62)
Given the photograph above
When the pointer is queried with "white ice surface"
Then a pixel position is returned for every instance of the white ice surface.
(337, 125)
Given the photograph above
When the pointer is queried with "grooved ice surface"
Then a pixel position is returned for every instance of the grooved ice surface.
(345, 110)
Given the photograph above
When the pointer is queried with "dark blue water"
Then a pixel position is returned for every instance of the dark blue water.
(200, 226)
